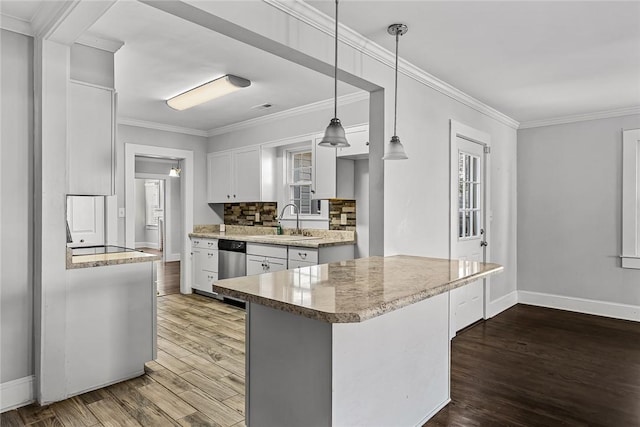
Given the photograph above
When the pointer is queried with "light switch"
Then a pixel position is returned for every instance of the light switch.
(343, 219)
(121, 213)
(257, 216)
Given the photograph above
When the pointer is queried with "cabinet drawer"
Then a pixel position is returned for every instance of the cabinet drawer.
(210, 260)
(267, 250)
(299, 264)
(197, 242)
(303, 254)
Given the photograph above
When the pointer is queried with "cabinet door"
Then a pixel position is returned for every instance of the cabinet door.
(275, 264)
(299, 264)
(90, 141)
(255, 265)
(359, 143)
(219, 174)
(246, 172)
(198, 274)
(324, 171)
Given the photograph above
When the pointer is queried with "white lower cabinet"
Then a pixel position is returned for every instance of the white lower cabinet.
(204, 255)
(265, 258)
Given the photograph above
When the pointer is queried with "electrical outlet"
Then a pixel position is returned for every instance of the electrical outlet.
(121, 213)
(343, 219)
(257, 216)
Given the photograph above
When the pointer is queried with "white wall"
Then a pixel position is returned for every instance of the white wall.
(202, 213)
(569, 205)
(361, 194)
(16, 208)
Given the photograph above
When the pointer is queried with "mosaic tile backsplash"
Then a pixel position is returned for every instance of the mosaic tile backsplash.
(245, 214)
(340, 209)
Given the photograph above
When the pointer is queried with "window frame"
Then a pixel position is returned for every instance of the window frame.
(289, 183)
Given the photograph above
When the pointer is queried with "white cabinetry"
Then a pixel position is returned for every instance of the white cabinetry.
(90, 139)
(234, 176)
(302, 257)
(204, 254)
(265, 258)
(358, 138)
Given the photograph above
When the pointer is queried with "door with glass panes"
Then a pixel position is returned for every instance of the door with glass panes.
(468, 206)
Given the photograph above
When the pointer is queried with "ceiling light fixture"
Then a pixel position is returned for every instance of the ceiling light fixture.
(395, 150)
(175, 172)
(334, 134)
(208, 91)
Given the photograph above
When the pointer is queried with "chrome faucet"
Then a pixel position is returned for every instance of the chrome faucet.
(297, 216)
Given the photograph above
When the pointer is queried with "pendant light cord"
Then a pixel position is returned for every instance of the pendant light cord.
(335, 70)
(395, 112)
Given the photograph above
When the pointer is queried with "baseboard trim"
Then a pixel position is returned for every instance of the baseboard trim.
(501, 304)
(434, 412)
(147, 245)
(172, 257)
(17, 393)
(581, 305)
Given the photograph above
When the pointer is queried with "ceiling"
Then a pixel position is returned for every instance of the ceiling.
(529, 60)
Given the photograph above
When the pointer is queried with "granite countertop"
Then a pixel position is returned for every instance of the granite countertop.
(313, 239)
(355, 290)
(126, 256)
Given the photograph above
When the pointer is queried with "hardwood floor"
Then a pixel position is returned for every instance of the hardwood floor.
(168, 277)
(529, 366)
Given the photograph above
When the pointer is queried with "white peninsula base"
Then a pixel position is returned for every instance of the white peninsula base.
(392, 370)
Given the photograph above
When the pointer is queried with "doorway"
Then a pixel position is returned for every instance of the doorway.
(469, 226)
(158, 216)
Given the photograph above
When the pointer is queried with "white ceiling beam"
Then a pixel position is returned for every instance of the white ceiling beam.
(64, 22)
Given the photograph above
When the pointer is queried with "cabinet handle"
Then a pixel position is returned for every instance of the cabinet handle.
(366, 143)
(302, 255)
(228, 197)
(234, 196)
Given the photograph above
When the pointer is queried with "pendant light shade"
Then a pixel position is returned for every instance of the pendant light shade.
(175, 171)
(334, 135)
(395, 149)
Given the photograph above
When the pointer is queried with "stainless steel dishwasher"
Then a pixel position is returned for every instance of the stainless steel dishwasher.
(232, 259)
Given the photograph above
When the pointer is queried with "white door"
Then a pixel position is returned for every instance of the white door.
(468, 240)
(85, 216)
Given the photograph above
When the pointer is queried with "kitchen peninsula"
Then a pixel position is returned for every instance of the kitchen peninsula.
(357, 342)
(111, 316)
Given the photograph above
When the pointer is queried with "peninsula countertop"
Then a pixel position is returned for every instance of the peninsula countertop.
(100, 256)
(355, 290)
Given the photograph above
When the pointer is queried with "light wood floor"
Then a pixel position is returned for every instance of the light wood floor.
(197, 380)
(528, 366)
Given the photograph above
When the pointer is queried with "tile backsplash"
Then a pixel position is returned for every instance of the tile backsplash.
(339, 208)
(245, 213)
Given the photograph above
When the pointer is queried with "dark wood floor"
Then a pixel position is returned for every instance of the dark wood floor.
(528, 366)
(532, 366)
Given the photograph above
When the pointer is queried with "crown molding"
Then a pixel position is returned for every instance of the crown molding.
(581, 117)
(296, 111)
(16, 25)
(91, 40)
(160, 126)
(301, 11)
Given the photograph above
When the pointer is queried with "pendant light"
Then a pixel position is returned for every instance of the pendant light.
(395, 150)
(334, 135)
(175, 171)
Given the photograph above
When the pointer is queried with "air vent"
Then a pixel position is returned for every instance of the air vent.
(262, 106)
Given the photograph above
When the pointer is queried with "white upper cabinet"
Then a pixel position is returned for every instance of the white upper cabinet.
(234, 176)
(90, 139)
(358, 137)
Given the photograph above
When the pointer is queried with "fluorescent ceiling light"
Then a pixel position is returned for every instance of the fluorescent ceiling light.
(208, 91)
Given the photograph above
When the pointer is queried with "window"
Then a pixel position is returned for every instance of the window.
(469, 196)
(631, 199)
(153, 202)
(300, 172)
